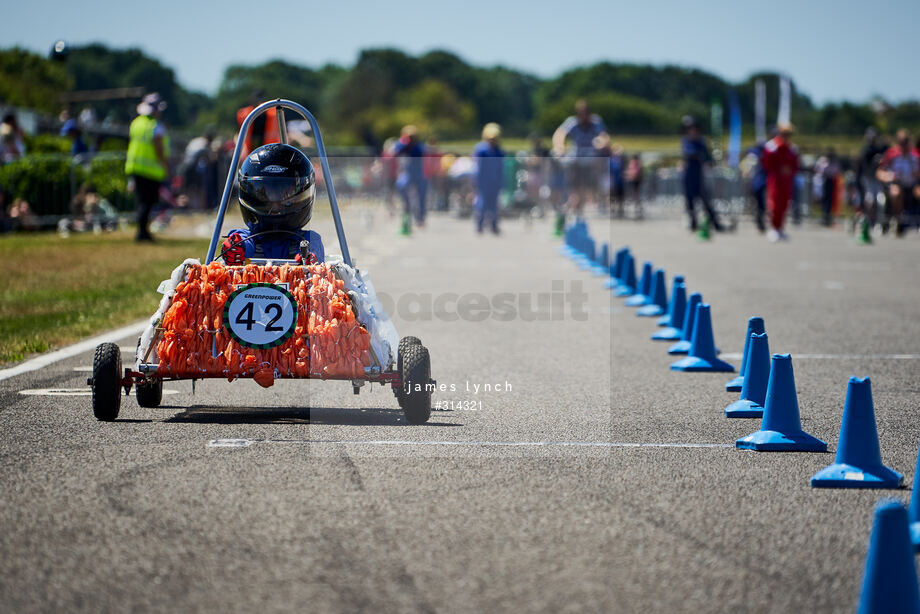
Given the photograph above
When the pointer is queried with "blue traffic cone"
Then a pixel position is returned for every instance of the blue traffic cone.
(658, 298)
(858, 463)
(668, 318)
(913, 512)
(677, 307)
(890, 581)
(755, 325)
(572, 238)
(781, 427)
(702, 356)
(586, 260)
(579, 234)
(754, 389)
(686, 335)
(641, 297)
(616, 268)
(628, 284)
(620, 272)
(602, 264)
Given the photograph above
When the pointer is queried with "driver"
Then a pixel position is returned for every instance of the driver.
(277, 189)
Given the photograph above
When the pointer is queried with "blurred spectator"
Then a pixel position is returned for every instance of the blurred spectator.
(617, 179)
(447, 162)
(410, 152)
(431, 167)
(299, 133)
(752, 170)
(371, 141)
(264, 128)
(87, 117)
(899, 170)
(781, 163)
(89, 211)
(20, 216)
(71, 129)
(12, 139)
(827, 172)
(199, 171)
(488, 179)
(633, 177)
(536, 166)
(537, 148)
(389, 173)
(146, 162)
(866, 166)
(586, 131)
(462, 191)
(696, 158)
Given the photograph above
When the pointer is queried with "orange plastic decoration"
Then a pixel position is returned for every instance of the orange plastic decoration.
(328, 341)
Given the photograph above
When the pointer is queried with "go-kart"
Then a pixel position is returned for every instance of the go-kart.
(267, 319)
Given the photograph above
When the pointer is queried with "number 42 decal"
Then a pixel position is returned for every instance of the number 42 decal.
(260, 315)
(245, 317)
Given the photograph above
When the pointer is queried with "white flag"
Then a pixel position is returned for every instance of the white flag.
(782, 114)
(760, 110)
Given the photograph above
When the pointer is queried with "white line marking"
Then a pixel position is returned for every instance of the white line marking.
(73, 350)
(74, 392)
(839, 356)
(245, 443)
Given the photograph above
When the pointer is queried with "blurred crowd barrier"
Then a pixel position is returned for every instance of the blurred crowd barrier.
(56, 186)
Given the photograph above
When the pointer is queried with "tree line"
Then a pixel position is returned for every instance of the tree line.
(438, 91)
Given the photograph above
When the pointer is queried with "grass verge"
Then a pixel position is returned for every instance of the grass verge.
(56, 291)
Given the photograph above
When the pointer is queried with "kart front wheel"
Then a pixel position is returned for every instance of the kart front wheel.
(415, 397)
(149, 394)
(107, 381)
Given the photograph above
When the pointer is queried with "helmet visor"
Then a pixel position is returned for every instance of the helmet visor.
(275, 195)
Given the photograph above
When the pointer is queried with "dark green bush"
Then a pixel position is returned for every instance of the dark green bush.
(48, 181)
(107, 174)
(47, 143)
(42, 180)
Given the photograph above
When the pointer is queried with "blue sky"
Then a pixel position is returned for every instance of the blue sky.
(833, 50)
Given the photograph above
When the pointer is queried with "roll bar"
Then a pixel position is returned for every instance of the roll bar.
(280, 105)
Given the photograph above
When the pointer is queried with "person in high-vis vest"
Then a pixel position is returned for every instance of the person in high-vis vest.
(148, 150)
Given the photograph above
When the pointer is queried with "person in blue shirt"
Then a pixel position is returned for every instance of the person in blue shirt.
(410, 151)
(696, 156)
(277, 190)
(71, 129)
(489, 159)
(617, 179)
(587, 136)
(758, 176)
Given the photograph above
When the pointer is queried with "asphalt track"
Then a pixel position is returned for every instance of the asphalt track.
(531, 497)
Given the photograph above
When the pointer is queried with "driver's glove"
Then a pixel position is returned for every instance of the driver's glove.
(311, 259)
(233, 250)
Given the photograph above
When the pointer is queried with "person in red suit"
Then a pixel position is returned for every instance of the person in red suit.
(781, 163)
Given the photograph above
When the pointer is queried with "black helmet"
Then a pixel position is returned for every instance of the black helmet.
(277, 188)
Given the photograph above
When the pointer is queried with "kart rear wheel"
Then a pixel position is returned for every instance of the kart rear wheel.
(415, 374)
(403, 344)
(149, 394)
(107, 382)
